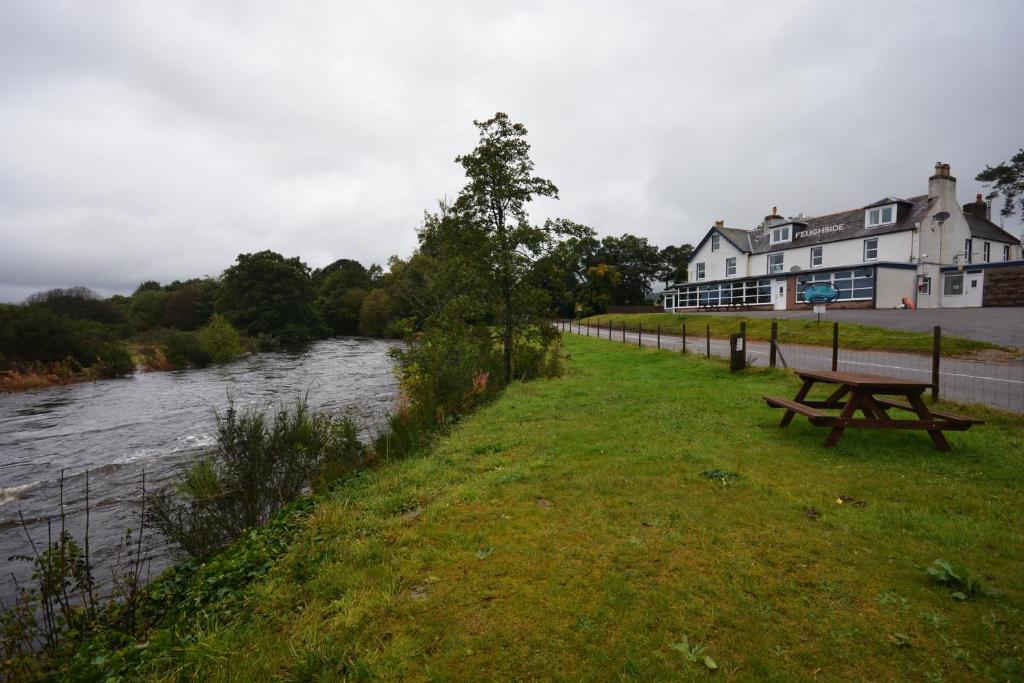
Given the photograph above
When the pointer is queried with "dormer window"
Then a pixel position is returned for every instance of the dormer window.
(880, 215)
(780, 235)
(716, 242)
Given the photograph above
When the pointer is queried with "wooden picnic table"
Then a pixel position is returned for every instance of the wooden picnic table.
(865, 395)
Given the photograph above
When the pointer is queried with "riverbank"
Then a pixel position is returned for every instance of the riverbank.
(626, 521)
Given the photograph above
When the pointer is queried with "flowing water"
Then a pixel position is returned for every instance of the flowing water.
(154, 422)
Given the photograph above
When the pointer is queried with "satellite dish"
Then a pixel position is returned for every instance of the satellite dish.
(941, 216)
(794, 269)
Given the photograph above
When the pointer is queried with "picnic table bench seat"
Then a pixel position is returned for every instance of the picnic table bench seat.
(951, 417)
(809, 411)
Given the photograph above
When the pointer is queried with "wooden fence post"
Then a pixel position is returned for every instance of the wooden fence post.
(623, 330)
(707, 336)
(835, 347)
(684, 337)
(640, 335)
(659, 335)
(936, 353)
(771, 345)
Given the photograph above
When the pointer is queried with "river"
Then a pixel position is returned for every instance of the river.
(155, 422)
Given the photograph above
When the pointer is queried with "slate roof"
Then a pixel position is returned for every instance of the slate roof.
(987, 230)
(844, 225)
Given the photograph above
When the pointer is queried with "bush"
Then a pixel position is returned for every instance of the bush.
(259, 464)
(219, 340)
(375, 314)
(183, 350)
(114, 361)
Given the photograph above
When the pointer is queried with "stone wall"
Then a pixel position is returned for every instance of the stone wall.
(1004, 286)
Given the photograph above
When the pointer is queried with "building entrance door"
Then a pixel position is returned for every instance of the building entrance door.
(974, 282)
(779, 294)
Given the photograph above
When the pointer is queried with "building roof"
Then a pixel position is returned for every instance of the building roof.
(987, 230)
(844, 225)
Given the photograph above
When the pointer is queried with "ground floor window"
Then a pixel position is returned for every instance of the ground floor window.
(851, 284)
(746, 292)
(953, 285)
(670, 301)
(926, 284)
(1006, 252)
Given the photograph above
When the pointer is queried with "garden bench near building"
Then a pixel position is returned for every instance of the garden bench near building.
(866, 395)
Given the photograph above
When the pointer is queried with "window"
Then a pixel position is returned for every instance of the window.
(871, 249)
(816, 256)
(780, 235)
(716, 241)
(775, 263)
(986, 252)
(967, 250)
(953, 285)
(700, 271)
(851, 284)
(881, 215)
(730, 267)
(1006, 252)
(745, 291)
(670, 301)
(926, 285)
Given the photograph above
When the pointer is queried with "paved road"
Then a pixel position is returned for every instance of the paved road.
(997, 325)
(1000, 385)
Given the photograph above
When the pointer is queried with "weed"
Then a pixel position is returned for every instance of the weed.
(966, 582)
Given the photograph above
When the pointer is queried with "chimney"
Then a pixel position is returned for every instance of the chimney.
(774, 218)
(978, 208)
(943, 185)
(720, 224)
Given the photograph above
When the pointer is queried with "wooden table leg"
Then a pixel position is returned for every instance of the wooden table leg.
(800, 396)
(871, 409)
(833, 399)
(848, 411)
(938, 438)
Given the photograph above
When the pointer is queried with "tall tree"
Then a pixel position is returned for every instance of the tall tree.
(673, 263)
(637, 262)
(1007, 179)
(266, 293)
(491, 214)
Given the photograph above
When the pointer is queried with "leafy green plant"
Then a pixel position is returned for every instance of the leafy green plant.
(114, 361)
(694, 653)
(219, 340)
(260, 463)
(962, 579)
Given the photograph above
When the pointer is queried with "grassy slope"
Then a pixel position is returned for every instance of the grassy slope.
(565, 532)
(851, 335)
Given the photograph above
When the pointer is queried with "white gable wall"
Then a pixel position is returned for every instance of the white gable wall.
(715, 260)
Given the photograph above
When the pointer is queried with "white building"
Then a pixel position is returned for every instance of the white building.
(926, 251)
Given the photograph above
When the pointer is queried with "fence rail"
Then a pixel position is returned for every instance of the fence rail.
(995, 384)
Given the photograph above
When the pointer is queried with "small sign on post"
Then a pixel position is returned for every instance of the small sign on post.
(737, 352)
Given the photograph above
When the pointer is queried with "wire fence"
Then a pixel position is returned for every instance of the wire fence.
(964, 380)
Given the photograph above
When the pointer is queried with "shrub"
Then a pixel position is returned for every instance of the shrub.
(183, 350)
(260, 463)
(114, 361)
(219, 340)
(375, 314)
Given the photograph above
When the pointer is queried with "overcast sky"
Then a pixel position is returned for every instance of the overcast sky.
(157, 140)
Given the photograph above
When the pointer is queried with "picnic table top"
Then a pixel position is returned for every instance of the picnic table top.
(856, 379)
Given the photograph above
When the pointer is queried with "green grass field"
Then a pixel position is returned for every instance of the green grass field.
(565, 532)
(851, 335)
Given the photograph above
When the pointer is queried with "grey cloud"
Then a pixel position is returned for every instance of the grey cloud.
(158, 140)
